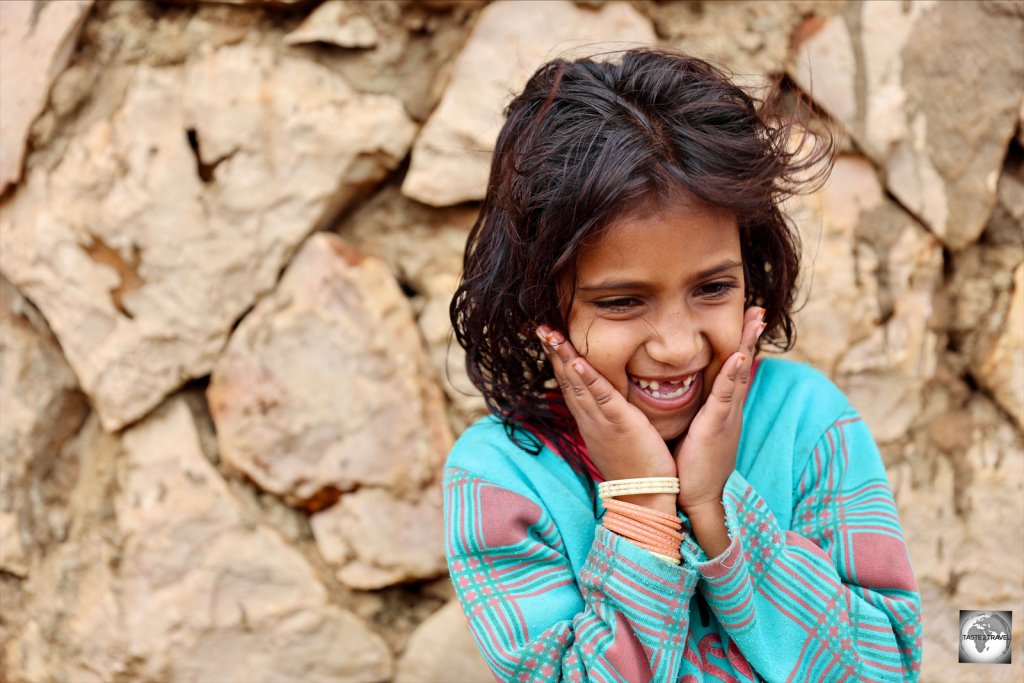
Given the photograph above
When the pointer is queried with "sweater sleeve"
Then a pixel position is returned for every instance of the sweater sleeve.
(624, 618)
(834, 598)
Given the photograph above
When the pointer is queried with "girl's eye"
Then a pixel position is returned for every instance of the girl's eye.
(716, 290)
(618, 305)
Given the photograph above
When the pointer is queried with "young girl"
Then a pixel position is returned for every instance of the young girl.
(647, 502)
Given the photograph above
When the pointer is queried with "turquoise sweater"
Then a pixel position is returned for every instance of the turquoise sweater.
(815, 586)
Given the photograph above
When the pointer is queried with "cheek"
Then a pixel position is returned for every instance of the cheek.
(728, 331)
(608, 345)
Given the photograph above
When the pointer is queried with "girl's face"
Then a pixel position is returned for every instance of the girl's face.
(659, 308)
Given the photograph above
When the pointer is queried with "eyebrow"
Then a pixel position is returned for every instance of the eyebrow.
(614, 284)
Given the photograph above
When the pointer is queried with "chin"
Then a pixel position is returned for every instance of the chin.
(672, 432)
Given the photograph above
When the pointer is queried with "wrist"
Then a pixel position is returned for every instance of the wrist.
(708, 525)
(712, 509)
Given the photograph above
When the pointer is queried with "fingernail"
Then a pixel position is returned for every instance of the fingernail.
(577, 365)
(740, 361)
(760, 329)
(760, 314)
(554, 339)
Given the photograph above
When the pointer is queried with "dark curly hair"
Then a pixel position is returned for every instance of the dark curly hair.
(585, 143)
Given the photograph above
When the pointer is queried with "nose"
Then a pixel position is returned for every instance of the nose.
(676, 338)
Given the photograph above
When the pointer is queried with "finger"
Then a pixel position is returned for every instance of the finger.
(600, 392)
(748, 347)
(726, 386)
(753, 313)
(591, 393)
(569, 382)
(753, 326)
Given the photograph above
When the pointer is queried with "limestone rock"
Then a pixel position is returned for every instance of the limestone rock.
(442, 649)
(990, 568)
(424, 248)
(419, 243)
(955, 510)
(873, 67)
(36, 42)
(374, 539)
(750, 39)
(333, 23)
(41, 407)
(155, 249)
(214, 597)
(869, 277)
(466, 405)
(412, 57)
(1001, 371)
(325, 387)
(510, 40)
(165, 577)
(69, 627)
(985, 290)
(925, 492)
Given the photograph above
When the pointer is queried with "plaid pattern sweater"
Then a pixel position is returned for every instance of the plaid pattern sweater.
(815, 586)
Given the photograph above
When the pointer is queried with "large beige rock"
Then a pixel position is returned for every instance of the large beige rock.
(1001, 370)
(36, 42)
(424, 249)
(869, 275)
(142, 253)
(874, 68)
(41, 407)
(213, 596)
(374, 539)
(333, 22)
(325, 387)
(165, 576)
(510, 40)
(985, 289)
(442, 649)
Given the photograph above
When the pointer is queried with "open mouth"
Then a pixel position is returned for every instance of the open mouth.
(665, 388)
(666, 394)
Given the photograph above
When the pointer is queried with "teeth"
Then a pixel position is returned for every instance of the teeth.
(653, 387)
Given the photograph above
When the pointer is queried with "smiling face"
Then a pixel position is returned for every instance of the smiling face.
(659, 308)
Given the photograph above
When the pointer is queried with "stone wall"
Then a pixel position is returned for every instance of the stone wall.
(229, 233)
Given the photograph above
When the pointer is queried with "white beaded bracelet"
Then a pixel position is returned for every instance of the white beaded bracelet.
(633, 487)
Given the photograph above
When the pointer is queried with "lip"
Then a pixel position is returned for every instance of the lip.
(667, 404)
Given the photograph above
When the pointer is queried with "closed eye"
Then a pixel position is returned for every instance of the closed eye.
(619, 304)
(716, 290)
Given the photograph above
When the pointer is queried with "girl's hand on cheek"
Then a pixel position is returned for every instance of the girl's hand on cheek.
(707, 455)
(621, 441)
